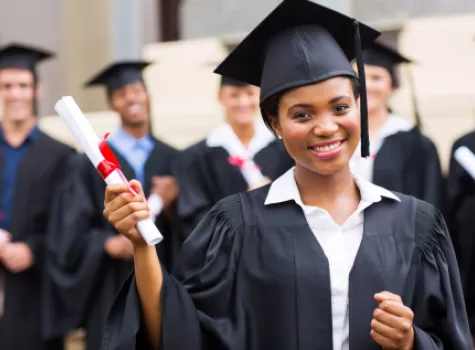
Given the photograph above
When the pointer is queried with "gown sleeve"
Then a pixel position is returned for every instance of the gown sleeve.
(197, 304)
(440, 318)
(75, 246)
(194, 200)
(432, 186)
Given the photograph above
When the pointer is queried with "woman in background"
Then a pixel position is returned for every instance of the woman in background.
(401, 158)
(211, 169)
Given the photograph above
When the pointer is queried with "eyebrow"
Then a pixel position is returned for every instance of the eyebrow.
(305, 105)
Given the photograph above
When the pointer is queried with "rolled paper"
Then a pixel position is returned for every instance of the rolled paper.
(466, 159)
(249, 170)
(155, 204)
(101, 157)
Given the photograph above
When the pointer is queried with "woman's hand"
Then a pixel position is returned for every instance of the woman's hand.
(124, 209)
(391, 326)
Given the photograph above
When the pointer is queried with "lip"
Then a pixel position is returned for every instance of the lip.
(330, 154)
(326, 143)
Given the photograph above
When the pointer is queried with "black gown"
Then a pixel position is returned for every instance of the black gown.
(461, 220)
(206, 176)
(83, 279)
(254, 277)
(39, 172)
(408, 162)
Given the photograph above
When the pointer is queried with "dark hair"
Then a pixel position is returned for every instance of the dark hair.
(270, 107)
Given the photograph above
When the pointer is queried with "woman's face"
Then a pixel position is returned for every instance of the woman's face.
(379, 87)
(240, 102)
(319, 125)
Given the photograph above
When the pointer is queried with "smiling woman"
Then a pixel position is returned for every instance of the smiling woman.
(320, 259)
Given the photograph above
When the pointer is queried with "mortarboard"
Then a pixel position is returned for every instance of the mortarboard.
(301, 43)
(382, 55)
(119, 74)
(232, 82)
(22, 56)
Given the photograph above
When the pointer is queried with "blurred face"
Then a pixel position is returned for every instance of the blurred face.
(132, 104)
(319, 125)
(17, 93)
(241, 103)
(379, 87)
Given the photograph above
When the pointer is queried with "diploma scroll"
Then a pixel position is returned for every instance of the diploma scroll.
(249, 170)
(466, 159)
(101, 157)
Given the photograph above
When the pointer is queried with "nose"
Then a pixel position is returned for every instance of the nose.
(325, 126)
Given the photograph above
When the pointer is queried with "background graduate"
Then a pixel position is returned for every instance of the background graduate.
(319, 259)
(206, 171)
(401, 158)
(30, 167)
(89, 260)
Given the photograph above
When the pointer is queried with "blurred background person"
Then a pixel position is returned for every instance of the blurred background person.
(401, 158)
(210, 169)
(91, 260)
(31, 165)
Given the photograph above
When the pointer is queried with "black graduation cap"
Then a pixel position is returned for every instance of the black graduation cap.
(22, 56)
(382, 55)
(301, 43)
(119, 74)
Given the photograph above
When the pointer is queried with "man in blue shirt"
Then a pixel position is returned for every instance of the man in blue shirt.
(88, 280)
(30, 167)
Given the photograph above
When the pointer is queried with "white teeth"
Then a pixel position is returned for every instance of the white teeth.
(134, 108)
(327, 148)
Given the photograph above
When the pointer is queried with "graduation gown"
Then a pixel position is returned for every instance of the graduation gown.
(255, 277)
(83, 278)
(408, 162)
(461, 220)
(206, 176)
(39, 172)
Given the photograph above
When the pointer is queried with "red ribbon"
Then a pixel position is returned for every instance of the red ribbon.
(239, 162)
(110, 162)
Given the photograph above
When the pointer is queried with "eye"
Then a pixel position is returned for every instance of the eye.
(301, 115)
(341, 109)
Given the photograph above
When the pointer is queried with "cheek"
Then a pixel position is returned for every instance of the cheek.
(295, 133)
(351, 124)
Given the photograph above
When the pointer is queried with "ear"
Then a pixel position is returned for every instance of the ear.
(38, 90)
(275, 125)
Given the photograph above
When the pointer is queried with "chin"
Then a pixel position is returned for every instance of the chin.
(135, 120)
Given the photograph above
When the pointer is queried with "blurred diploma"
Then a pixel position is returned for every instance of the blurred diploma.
(101, 157)
(249, 170)
(466, 159)
(155, 204)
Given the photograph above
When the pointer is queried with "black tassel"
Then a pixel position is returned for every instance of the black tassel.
(415, 104)
(363, 99)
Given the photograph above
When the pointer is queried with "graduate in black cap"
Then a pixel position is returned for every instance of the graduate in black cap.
(91, 260)
(30, 167)
(209, 170)
(401, 158)
(319, 259)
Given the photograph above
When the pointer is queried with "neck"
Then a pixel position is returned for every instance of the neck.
(16, 132)
(325, 191)
(244, 132)
(376, 120)
(137, 131)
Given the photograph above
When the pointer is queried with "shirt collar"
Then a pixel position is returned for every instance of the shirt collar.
(224, 136)
(128, 142)
(393, 125)
(285, 188)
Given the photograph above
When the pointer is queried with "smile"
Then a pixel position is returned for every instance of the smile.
(328, 150)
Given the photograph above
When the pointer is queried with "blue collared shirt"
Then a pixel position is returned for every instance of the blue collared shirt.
(135, 151)
(12, 159)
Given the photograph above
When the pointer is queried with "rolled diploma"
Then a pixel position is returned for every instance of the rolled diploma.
(155, 204)
(87, 138)
(251, 173)
(466, 159)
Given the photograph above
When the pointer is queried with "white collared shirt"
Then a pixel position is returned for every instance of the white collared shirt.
(340, 243)
(364, 167)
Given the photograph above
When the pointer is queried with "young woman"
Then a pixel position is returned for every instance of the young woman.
(211, 169)
(319, 259)
(401, 158)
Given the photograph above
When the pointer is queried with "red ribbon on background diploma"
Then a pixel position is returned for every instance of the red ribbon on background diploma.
(239, 162)
(110, 162)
